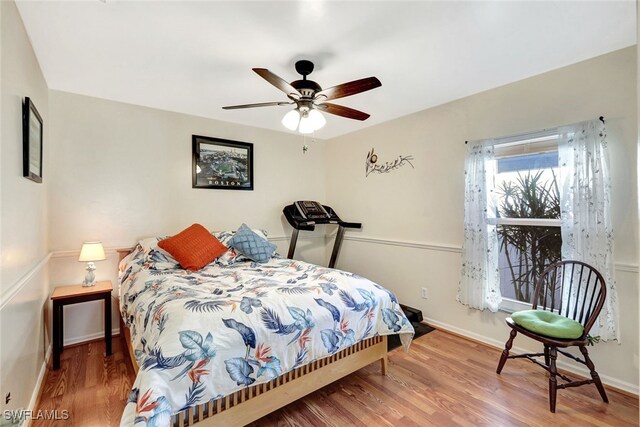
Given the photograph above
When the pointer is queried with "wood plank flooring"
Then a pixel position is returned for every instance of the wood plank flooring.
(445, 380)
(93, 388)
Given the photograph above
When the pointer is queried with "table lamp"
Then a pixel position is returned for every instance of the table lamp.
(91, 251)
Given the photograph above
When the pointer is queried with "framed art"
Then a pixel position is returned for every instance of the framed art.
(221, 164)
(31, 141)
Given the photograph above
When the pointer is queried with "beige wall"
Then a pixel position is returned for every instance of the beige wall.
(638, 146)
(122, 172)
(24, 228)
(24, 219)
(413, 217)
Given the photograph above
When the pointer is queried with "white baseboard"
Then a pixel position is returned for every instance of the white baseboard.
(45, 364)
(36, 390)
(89, 337)
(562, 364)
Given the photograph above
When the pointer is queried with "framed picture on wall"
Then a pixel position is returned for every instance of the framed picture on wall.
(31, 141)
(221, 164)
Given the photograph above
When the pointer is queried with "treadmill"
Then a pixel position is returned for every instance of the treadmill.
(304, 215)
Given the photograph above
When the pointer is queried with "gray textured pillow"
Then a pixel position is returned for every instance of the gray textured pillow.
(251, 245)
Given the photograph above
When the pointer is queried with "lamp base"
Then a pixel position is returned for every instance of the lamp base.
(90, 277)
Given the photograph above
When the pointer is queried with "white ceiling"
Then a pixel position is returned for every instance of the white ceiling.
(195, 57)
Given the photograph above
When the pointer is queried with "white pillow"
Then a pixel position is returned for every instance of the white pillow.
(155, 258)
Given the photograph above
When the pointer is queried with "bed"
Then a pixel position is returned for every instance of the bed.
(237, 340)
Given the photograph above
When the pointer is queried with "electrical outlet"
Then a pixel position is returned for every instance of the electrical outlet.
(424, 294)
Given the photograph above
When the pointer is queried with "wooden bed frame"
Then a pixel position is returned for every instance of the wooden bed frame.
(254, 402)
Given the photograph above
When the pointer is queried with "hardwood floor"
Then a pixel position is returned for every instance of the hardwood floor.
(444, 381)
(92, 388)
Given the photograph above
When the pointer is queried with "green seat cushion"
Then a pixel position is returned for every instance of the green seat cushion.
(548, 324)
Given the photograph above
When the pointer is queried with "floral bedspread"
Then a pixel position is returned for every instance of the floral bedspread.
(206, 334)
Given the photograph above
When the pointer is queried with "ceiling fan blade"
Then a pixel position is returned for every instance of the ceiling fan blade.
(261, 104)
(348, 89)
(278, 82)
(340, 110)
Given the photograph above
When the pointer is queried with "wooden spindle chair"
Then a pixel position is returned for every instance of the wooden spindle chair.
(585, 291)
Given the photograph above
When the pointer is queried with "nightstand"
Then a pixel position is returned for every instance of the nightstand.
(66, 295)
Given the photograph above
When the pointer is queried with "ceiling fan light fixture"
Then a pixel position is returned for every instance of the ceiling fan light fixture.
(306, 125)
(317, 119)
(291, 119)
(308, 96)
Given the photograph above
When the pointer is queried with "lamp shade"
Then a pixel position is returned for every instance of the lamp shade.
(317, 119)
(306, 125)
(291, 119)
(92, 251)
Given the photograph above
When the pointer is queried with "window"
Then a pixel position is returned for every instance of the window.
(513, 224)
(527, 215)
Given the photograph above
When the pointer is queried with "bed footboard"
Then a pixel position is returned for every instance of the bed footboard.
(254, 402)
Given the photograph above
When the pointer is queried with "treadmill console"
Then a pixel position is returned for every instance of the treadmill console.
(311, 210)
(304, 215)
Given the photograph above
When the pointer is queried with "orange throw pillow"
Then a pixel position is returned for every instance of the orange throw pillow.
(193, 247)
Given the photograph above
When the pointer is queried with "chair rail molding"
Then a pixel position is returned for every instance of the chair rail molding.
(628, 267)
(407, 244)
(22, 281)
(439, 247)
(75, 253)
(620, 266)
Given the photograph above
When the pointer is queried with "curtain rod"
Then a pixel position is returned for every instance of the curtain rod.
(601, 118)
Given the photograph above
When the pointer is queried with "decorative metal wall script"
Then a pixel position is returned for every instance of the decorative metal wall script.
(373, 166)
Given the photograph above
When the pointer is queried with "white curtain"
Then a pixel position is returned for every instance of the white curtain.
(480, 279)
(585, 197)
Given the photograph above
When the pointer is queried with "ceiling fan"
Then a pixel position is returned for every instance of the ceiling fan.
(310, 99)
